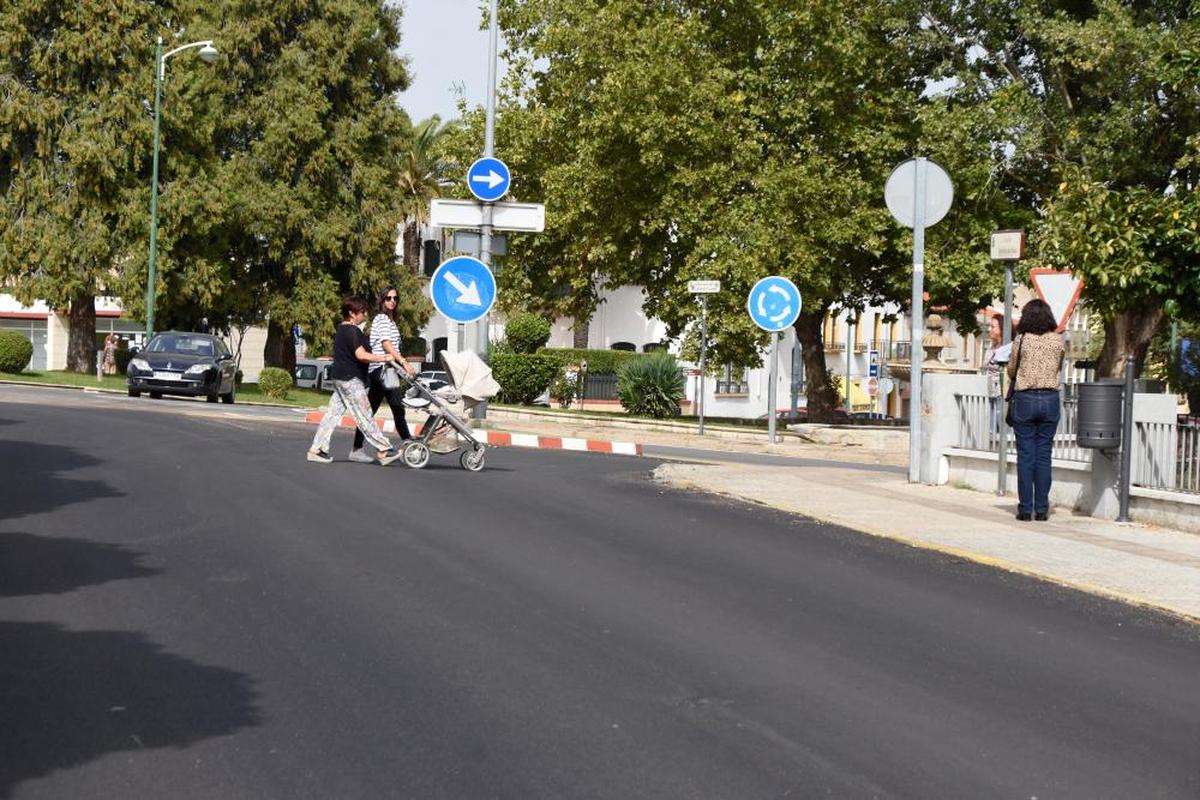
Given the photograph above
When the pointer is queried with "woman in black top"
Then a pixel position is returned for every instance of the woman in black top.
(351, 354)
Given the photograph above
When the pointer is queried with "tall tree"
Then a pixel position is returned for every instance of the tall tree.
(422, 174)
(1091, 108)
(725, 139)
(72, 137)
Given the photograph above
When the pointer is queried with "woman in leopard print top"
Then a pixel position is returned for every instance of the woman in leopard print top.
(1035, 367)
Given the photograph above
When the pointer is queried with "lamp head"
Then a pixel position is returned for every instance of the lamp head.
(208, 53)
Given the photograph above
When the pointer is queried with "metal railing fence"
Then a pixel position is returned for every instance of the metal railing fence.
(1167, 456)
(978, 428)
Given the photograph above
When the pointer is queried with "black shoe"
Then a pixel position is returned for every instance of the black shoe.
(1023, 516)
(1042, 516)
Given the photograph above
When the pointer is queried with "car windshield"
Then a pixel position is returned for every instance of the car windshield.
(184, 345)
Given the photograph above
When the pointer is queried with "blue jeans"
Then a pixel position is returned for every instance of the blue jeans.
(1035, 415)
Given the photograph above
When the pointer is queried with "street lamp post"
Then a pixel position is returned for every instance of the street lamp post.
(208, 54)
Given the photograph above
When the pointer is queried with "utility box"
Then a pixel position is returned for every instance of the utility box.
(1099, 410)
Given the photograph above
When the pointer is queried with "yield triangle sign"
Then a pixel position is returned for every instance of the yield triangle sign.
(1060, 290)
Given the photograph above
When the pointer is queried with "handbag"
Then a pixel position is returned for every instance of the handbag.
(1012, 388)
(390, 377)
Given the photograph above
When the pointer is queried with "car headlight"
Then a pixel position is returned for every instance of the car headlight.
(198, 369)
(140, 364)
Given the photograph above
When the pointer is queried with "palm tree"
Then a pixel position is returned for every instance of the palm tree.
(422, 175)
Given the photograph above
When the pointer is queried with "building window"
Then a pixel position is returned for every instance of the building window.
(627, 346)
(733, 381)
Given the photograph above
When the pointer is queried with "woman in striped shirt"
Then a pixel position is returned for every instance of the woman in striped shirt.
(385, 340)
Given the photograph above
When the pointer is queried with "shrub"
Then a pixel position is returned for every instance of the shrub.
(566, 387)
(413, 346)
(15, 351)
(123, 356)
(526, 332)
(524, 376)
(274, 383)
(651, 386)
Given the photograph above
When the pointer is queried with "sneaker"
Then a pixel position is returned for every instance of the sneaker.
(361, 456)
(319, 456)
(391, 455)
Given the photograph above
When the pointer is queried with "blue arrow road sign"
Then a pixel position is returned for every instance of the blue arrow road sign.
(463, 289)
(488, 179)
(774, 303)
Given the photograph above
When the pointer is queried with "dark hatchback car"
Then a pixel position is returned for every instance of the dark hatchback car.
(190, 364)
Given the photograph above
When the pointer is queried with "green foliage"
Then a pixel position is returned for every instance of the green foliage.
(651, 386)
(524, 376)
(526, 332)
(567, 388)
(15, 351)
(275, 383)
(414, 346)
(599, 362)
(123, 356)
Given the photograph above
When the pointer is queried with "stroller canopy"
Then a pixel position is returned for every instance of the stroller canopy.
(470, 375)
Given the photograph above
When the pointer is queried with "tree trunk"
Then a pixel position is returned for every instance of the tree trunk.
(1128, 333)
(280, 349)
(820, 392)
(412, 247)
(81, 338)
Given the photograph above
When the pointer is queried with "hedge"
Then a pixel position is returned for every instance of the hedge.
(15, 351)
(526, 332)
(599, 362)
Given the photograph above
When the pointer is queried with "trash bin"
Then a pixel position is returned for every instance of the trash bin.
(1099, 410)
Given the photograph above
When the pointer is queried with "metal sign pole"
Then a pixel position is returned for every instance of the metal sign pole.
(1126, 441)
(485, 230)
(849, 349)
(703, 352)
(1006, 338)
(771, 387)
(918, 322)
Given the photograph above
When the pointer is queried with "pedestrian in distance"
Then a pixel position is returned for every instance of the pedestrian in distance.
(992, 367)
(351, 355)
(109, 360)
(1034, 369)
(385, 340)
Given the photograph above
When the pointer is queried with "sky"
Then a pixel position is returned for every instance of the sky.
(445, 49)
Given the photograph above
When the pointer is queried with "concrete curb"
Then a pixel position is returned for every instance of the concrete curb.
(504, 439)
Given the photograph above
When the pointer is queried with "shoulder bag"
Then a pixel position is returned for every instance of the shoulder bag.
(1012, 387)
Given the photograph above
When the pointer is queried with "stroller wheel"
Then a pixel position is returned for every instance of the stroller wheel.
(415, 454)
(472, 460)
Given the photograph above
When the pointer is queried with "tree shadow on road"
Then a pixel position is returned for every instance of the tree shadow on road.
(31, 482)
(44, 565)
(71, 697)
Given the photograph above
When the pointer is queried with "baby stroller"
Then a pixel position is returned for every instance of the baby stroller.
(446, 432)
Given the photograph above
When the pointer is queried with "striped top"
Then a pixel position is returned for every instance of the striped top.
(1038, 359)
(382, 327)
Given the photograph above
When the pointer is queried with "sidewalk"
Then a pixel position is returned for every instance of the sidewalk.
(1140, 564)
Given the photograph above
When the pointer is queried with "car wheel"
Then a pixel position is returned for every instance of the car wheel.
(228, 397)
(415, 454)
(472, 460)
(134, 393)
(156, 395)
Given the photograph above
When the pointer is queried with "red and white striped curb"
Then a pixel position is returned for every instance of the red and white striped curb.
(502, 439)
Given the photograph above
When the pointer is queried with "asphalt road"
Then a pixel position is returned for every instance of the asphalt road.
(188, 609)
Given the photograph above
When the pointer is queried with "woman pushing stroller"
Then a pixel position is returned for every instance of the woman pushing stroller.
(385, 340)
(351, 355)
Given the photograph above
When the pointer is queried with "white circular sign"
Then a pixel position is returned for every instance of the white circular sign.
(900, 191)
(885, 386)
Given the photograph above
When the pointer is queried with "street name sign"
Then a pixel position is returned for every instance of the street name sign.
(704, 287)
(774, 303)
(488, 179)
(463, 289)
(524, 217)
(1060, 289)
(1008, 245)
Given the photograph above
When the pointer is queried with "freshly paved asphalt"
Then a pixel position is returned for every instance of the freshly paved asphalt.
(188, 609)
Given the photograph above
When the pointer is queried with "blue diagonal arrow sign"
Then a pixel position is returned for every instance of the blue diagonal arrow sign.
(463, 289)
